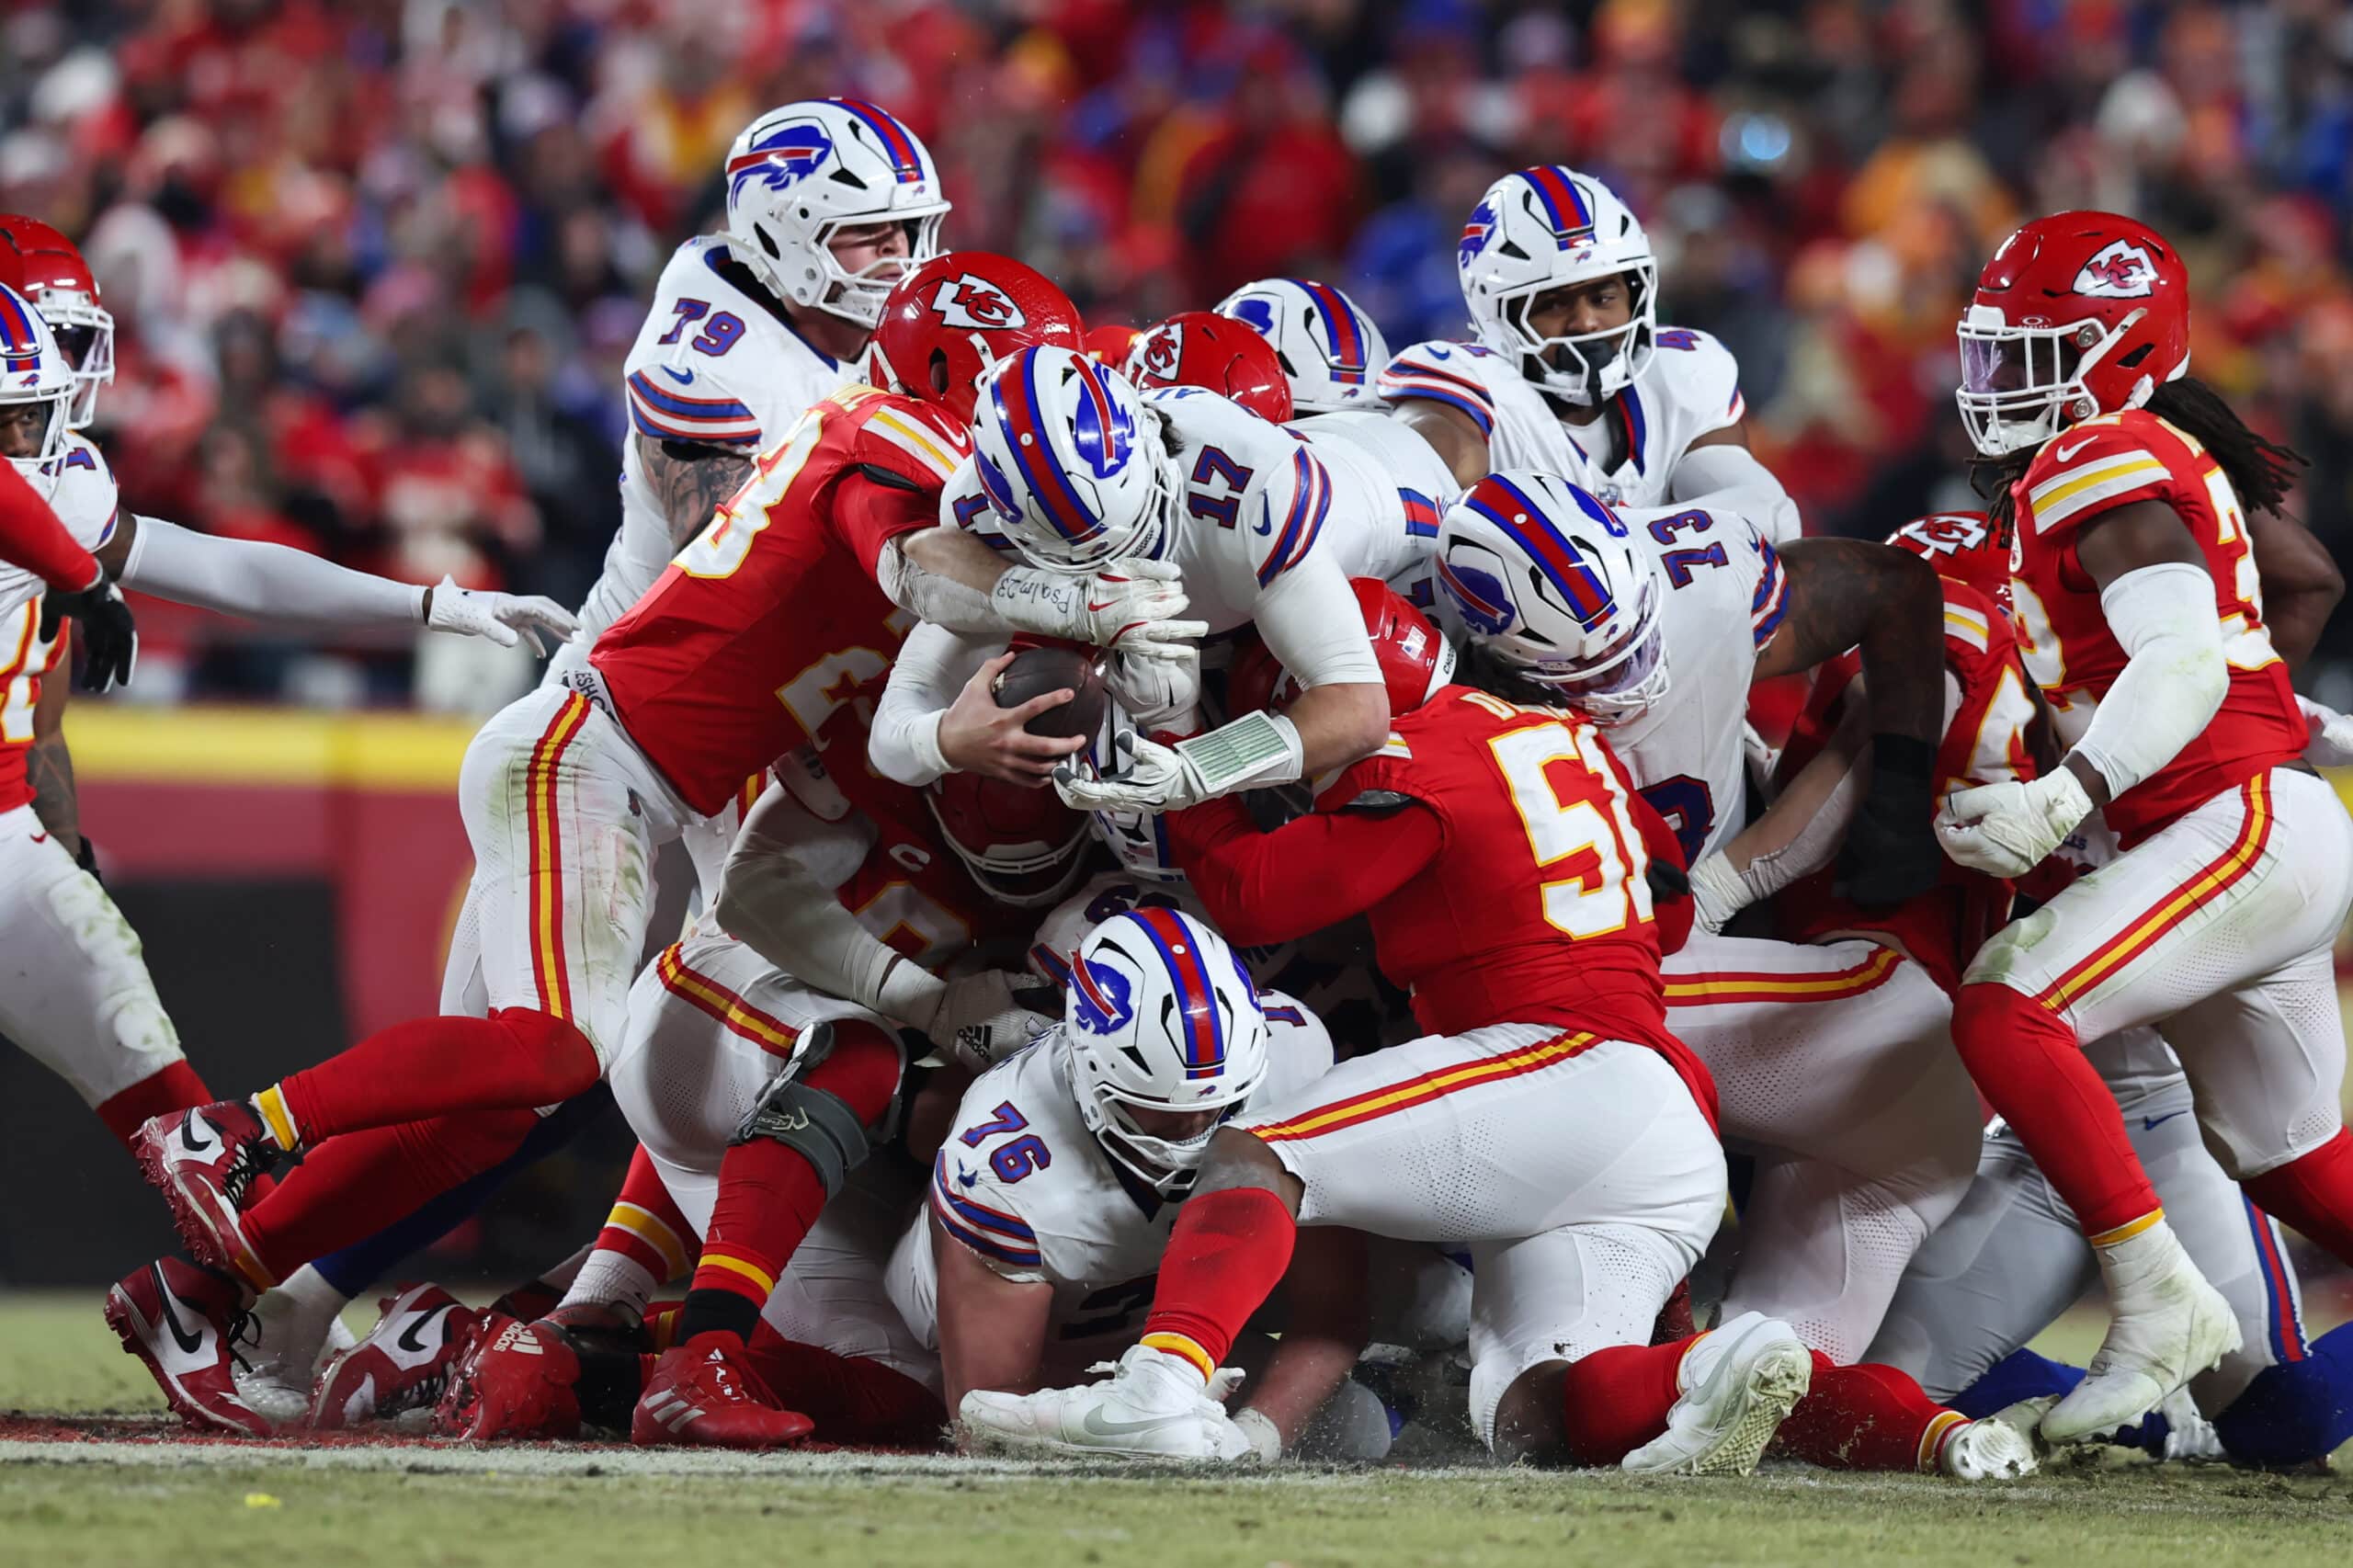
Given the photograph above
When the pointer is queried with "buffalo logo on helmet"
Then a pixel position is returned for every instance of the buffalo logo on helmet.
(1104, 430)
(1106, 997)
(1486, 608)
(1256, 313)
(1481, 224)
(976, 304)
(780, 158)
(2122, 270)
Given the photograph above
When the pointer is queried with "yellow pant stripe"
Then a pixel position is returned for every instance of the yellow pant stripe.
(271, 1103)
(757, 1276)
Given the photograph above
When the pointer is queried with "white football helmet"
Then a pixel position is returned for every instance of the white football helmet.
(1540, 575)
(800, 174)
(1160, 1014)
(34, 370)
(1071, 462)
(1332, 352)
(1534, 232)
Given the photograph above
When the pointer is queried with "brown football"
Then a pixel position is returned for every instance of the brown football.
(1036, 671)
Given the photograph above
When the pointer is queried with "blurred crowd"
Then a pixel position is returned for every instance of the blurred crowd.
(376, 262)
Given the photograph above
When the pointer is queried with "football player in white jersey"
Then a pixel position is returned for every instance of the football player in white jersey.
(1572, 373)
(1625, 614)
(1084, 476)
(79, 998)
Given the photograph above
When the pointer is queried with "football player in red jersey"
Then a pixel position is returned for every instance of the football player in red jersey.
(2123, 490)
(743, 649)
(1549, 1116)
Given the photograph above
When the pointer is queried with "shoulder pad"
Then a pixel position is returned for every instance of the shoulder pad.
(672, 402)
(1442, 373)
(2084, 471)
(1700, 372)
(970, 1207)
(910, 438)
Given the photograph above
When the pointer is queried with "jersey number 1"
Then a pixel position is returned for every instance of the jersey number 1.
(1594, 837)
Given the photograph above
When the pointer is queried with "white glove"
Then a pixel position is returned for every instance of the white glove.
(1255, 751)
(1130, 607)
(2331, 742)
(1157, 693)
(1256, 1424)
(975, 1016)
(2005, 829)
(504, 618)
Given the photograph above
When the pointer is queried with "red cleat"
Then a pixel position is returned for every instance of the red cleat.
(518, 1383)
(182, 1320)
(702, 1395)
(204, 1163)
(402, 1365)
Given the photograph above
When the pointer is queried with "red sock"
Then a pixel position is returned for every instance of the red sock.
(1224, 1257)
(2030, 1068)
(1615, 1400)
(851, 1398)
(771, 1195)
(176, 1087)
(1867, 1417)
(2314, 1193)
(645, 1226)
(514, 1059)
(352, 1186)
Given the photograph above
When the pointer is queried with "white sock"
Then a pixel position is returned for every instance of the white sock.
(612, 1279)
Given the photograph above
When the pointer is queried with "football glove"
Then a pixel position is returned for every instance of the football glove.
(2005, 829)
(103, 625)
(502, 619)
(1132, 607)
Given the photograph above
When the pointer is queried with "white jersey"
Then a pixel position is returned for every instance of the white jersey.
(712, 365)
(84, 500)
(1369, 453)
(1265, 534)
(1627, 457)
(1023, 1184)
(1716, 574)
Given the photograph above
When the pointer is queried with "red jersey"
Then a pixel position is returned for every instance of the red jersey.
(1531, 902)
(1985, 743)
(2113, 461)
(772, 619)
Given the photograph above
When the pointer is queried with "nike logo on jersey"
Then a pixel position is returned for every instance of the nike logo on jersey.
(189, 1343)
(970, 1178)
(411, 1338)
(2066, 454)
(189, 1122)
(40, 838)
(684, 378)
(2151, 1123)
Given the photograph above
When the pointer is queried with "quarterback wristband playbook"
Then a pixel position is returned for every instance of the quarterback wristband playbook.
(1254, 752)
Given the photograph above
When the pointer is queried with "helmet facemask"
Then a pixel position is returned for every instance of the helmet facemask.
(1586, 369)
(1622, 682)
(859, 296)
(2021, 385)
(84, 334)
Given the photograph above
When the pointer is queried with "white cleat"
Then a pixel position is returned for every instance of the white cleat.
(1738, 1380)
(1153, 1406)
(280, 1367)
(2168, 1325)
(1990, 1450)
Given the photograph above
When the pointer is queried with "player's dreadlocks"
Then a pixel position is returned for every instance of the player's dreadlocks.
(2260, 471)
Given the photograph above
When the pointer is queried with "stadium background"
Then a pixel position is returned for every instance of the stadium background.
(375, 264)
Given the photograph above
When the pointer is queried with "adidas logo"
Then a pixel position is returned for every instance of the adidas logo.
(513, 1337)
(672, 1411)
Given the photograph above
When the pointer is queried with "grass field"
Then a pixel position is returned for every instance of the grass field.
(146, 1496)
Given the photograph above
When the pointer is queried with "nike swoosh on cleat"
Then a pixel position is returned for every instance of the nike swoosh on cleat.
(408, 1339)
(189, 1343)
(2151, 1123)
(684, 378)
(189, 1121)
(1092, 1421)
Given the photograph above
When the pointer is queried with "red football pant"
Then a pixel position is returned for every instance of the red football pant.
(176, 1087)
(2031, 1069)
(2314, 1193)
(514, 1059)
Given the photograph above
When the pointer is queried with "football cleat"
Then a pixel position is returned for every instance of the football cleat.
(1990, 1450)
(204, 1161)
(292, 1339)
(518, 1382)
(402, 1365)
(1738, 1381)
(2166, 1326)
(183, 1322)
(701, 1394)
(1153, 1406)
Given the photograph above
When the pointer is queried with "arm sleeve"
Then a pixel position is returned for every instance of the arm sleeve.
(1313, 625)
(270, 582)
(32, 536)
(932, 668)
(2174, 678)
(1261, 887)
(1729, 479)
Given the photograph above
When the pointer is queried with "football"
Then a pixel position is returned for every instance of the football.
(1036, 671)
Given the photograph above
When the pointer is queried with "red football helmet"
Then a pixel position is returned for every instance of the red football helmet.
(957, 315)
(1963, 546)
(1415, 660)
(2078, 315)
(1200, 349)
(1108, 344)
(1022, 847)
(43, 266)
